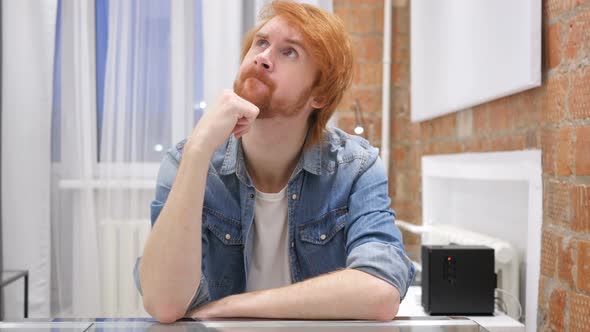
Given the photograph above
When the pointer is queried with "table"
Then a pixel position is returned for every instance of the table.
(400, 324)
(10, 276)
(412, 306)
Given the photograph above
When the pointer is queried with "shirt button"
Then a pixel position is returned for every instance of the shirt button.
(323, 237)
(292, 244)
(251, 196)
(227, 236)
(294, 197)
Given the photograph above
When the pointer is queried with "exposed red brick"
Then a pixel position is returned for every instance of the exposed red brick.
(557, 198)
(374, 131)
(444, 126)
(583, 150)
(414, 131)
(557, 303)
(367, 48)
(501, 143)
(579, 313)
(399, 73)
(447, 147)
(554, 8)
(476, 145)
(363, 20)
(532, 140)
(345, 14)
(580, 93)
(373, 3)
(347, 122)
(425, 131)
(500, 114)
(549, 243)
(553, 101)
(480, 120)
(356, 74)
(553, 45)
(371, 74)
(564, 151)
(369, 98)
(378, 15)
(548, 148)
(399, 155)
(580, 208)
(543, 292)
(405, 209)
(527, 110)
(578, 36)
(565, 262)
(583, 282)
(398, 128)
(400, 45)
(401, 20)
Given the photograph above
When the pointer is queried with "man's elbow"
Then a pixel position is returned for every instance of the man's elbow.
(162, 312)
(388, 304)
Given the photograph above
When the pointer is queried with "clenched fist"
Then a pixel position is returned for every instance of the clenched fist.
(231, 114)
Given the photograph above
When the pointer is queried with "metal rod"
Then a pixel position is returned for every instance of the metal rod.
(27, 295)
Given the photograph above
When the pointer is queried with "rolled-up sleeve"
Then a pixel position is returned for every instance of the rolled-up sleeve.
(374, 244)
(166, 175)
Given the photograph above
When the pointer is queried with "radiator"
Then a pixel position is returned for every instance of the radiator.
(122, 242)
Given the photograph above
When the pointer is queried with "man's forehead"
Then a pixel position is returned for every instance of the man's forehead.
(280, 27)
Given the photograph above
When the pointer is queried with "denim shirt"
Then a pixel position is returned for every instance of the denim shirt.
(339, 216)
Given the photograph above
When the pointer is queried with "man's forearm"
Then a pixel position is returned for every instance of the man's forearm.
(170, 268)
(345, 294)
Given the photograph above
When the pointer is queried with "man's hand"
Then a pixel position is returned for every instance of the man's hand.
(231, 114)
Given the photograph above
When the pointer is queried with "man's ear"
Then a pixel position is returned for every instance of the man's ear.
(319, 102)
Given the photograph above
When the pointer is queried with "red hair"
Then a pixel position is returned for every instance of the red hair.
(326, 40)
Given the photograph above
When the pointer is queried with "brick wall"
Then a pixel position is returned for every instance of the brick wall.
(554, 118)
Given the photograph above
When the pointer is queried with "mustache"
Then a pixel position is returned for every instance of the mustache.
(255, 72)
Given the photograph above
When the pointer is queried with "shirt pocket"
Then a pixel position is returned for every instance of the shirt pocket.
(228, 231)
(322, 243)
(222, 253)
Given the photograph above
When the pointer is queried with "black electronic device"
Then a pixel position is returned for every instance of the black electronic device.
(458, 280)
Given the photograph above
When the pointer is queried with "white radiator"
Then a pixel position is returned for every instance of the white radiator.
(122, 242)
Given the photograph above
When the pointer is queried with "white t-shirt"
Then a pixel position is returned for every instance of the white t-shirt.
(269, 265)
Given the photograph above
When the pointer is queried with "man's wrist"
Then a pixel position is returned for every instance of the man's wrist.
(199, 148)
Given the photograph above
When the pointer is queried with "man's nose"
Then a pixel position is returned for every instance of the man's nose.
(263, 59)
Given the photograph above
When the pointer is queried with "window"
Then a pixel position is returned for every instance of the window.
(133, 109)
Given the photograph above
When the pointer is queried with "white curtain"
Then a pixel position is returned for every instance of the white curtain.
(28, 33)
(117, 117)
(74, 229)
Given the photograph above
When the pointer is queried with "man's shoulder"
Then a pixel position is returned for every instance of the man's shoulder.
(339, 147)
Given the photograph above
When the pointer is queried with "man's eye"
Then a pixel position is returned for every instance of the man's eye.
(262, 43)
(291, 53)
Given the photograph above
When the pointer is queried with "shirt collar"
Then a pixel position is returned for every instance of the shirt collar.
(234, 162)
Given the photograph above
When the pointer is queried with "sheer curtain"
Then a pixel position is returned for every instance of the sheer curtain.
(113, 121)
(74, 231)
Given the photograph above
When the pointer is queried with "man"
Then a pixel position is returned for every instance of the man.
(262, 211)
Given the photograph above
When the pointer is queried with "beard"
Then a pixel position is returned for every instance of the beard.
(254, 86)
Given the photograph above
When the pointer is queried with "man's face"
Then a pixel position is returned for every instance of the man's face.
(278, 72)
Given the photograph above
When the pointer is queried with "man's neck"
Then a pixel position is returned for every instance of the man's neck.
(272, 149)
